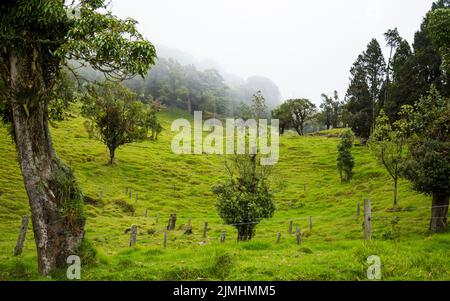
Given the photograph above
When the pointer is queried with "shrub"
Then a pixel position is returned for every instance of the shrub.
(345, 160)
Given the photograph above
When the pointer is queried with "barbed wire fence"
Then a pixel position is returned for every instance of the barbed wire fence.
(307, 228)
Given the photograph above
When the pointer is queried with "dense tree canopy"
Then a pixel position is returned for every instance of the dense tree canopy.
(114, 116)
(428, 162)
(184, 87)
(359, 102)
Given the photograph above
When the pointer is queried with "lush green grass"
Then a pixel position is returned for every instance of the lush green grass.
(166, 183)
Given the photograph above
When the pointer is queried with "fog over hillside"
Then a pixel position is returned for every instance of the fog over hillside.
(240, 87)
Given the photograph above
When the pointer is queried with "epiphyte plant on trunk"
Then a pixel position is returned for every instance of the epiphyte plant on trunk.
(245, 198)
(38, 39)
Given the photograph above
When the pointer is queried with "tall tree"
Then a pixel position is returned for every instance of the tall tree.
(438, 28)
(402, 78)
(393, 41)
(327, 110)
(428, 162)
(337, 110)
(426, 63)
(358, 105)
(374, 66)
(415, 70)
(38, 38)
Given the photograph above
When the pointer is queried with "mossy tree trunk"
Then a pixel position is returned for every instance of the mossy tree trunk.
(54, 198)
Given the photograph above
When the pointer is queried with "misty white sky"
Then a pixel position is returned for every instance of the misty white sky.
(305, 46)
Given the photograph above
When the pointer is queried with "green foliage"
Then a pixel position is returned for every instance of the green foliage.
(108, 44)
(358, 108)
(151, 119)
(284, 115)
(302, 110)
(295, 113)
(69, 194)
(126, 207)
(114, 116)
(399, 88)
(63, 94)
(394, 232)
(345, 160)
(221, 265)
(438, 29)
(245, 199)
(414, 71)
(184, 87)
(87, 253)
(428, 163)
(364, 91)
(393, 38)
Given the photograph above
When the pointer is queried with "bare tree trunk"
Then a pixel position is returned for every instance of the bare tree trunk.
(439, 211)
(55, 200)
(112, 155)
(395, 192)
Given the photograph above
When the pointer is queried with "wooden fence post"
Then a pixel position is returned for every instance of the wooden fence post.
(205, 228)
(146, 211)
(22, 233)
(367, 220)
(172, 221)
(310, 223)
(131, 194)
(278, 237)
(299, 236)
(222, 237)
(133, 235)
(136, 196)
(358, 209)
(165, 238)
(291, 224)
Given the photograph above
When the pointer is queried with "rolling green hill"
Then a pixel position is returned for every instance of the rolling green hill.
(307, 185)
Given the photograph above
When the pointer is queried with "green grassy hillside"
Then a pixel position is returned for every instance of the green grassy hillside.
(167, 183)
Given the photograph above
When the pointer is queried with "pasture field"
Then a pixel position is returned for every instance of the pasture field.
(306, 184)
